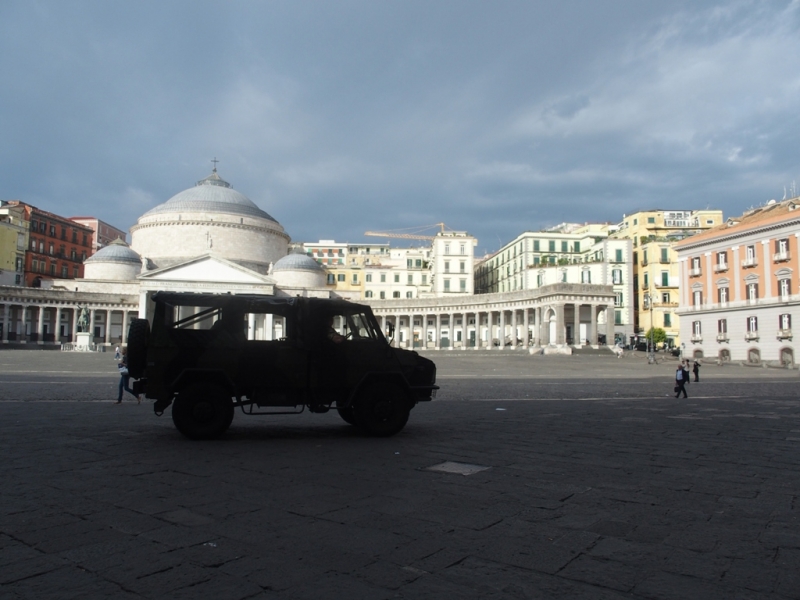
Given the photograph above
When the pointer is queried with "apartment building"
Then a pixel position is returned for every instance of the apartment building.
(13, 242)
(653, 234)
(56, 248)
(739, 287)
(567, 253)
(104, 233)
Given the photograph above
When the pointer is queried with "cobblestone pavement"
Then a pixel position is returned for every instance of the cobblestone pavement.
(600, 485)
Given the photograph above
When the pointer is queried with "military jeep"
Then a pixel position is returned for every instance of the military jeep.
(207, 354)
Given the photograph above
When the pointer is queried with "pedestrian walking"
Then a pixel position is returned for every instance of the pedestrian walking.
(124, 379)
(681, 375)
(116, 353)
(696, 371)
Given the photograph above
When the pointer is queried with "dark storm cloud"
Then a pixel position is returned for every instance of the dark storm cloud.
(342, 117)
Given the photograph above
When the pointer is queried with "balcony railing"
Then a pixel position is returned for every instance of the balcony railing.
(784, 334)
(751, 335)
(697, 338)
(664, 261)
(645, 262)
(722, 337)
(695, 272)
(720, 267)
(781, 256)
(749, 262)
(661, 284)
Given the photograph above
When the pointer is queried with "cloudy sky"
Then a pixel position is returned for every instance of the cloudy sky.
(338, 117)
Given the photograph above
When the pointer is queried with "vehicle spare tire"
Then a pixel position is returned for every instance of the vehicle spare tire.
(138, 336)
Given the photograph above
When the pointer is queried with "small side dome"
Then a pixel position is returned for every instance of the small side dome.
(297, 262)
(116, 261)
(298, 271)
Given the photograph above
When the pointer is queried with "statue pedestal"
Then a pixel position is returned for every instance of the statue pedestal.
(83, 341)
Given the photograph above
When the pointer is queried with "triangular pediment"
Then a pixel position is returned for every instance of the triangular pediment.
(208, 268)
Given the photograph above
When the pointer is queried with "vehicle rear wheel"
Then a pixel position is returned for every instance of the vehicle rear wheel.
(346, 412)
(382, 409)
(202, 411)
(138, 336)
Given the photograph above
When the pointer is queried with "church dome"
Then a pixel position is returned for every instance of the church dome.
(210, 195)
(298, 271)
(116, 261)
(297, 262)
(209, 217)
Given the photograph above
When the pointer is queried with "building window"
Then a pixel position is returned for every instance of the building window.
(722, 295)
(462, 285)
(616, 276)
(446, 285)
(667, 320)
(722, 261)
(781, 250)
(395, 294)
(564, 246)
(664, 278)
(784, 288)
(697, 328)
(355, 279)
(698, 298)
(368, 294)
(463, 249)
(34, 265)
(552, 245)
(752, 324)
(586, 276)
(664, 256)
(695, 270)
(447, 266)
(651, 219)
(76, 272)
(722, 326)
(536, 245)
(64, 271)
(369, 277)
(750, 257)
(424, 279)
(447, 248)
(409, 294)
(785, 322)
(383, 277)
(340, 277)
(618, 299)
(617, 317)
(18, 265)
(52, 268)
(577, 247)
(462, 267)
(410, 279)
(646, 280)
(331, 279)
(383, 295)
(618, 255)
(397, 277)
(752, 292)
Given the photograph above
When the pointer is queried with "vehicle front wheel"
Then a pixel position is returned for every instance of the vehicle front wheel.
(346, 412)
(202, 411)
(382, 409)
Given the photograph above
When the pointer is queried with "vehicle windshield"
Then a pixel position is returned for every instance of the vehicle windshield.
(353, 326)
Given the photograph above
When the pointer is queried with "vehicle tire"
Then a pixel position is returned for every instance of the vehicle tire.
(138, 336)
(202, 411)
(382, 409)
(346, 412)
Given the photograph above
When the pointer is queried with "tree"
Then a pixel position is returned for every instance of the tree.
(657, 335)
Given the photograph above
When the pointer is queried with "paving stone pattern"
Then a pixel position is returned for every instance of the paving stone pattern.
(628, 494)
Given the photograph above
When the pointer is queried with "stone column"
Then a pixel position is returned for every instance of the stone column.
(464, 330)
(501, 330)
(74, 330)
(126, 315)
(514, 336)
(576, 326)
(424, 330)
(40, 325)
(91, 324)
(437, 342)
(526, 336)
(21, 336)
(6, 322)
(108, 327)
(593, 325)
(537, 326)
(451, 330)
(57, 327)
(609, 325)
(489, 330)
(477, 330)
(561, 328)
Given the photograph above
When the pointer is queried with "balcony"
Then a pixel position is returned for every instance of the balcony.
(722, 337)
(782, 256)
(784, 334)
(720, 267)
(664, 260)
(751, 336)
(695, 272)
(697, 338)
(749, 262)
(645, 262)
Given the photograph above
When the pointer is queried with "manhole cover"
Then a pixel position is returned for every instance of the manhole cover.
(458, 468)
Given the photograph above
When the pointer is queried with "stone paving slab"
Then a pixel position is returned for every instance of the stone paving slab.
(601, 485)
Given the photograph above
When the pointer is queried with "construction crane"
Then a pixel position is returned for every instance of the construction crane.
(415, 232)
